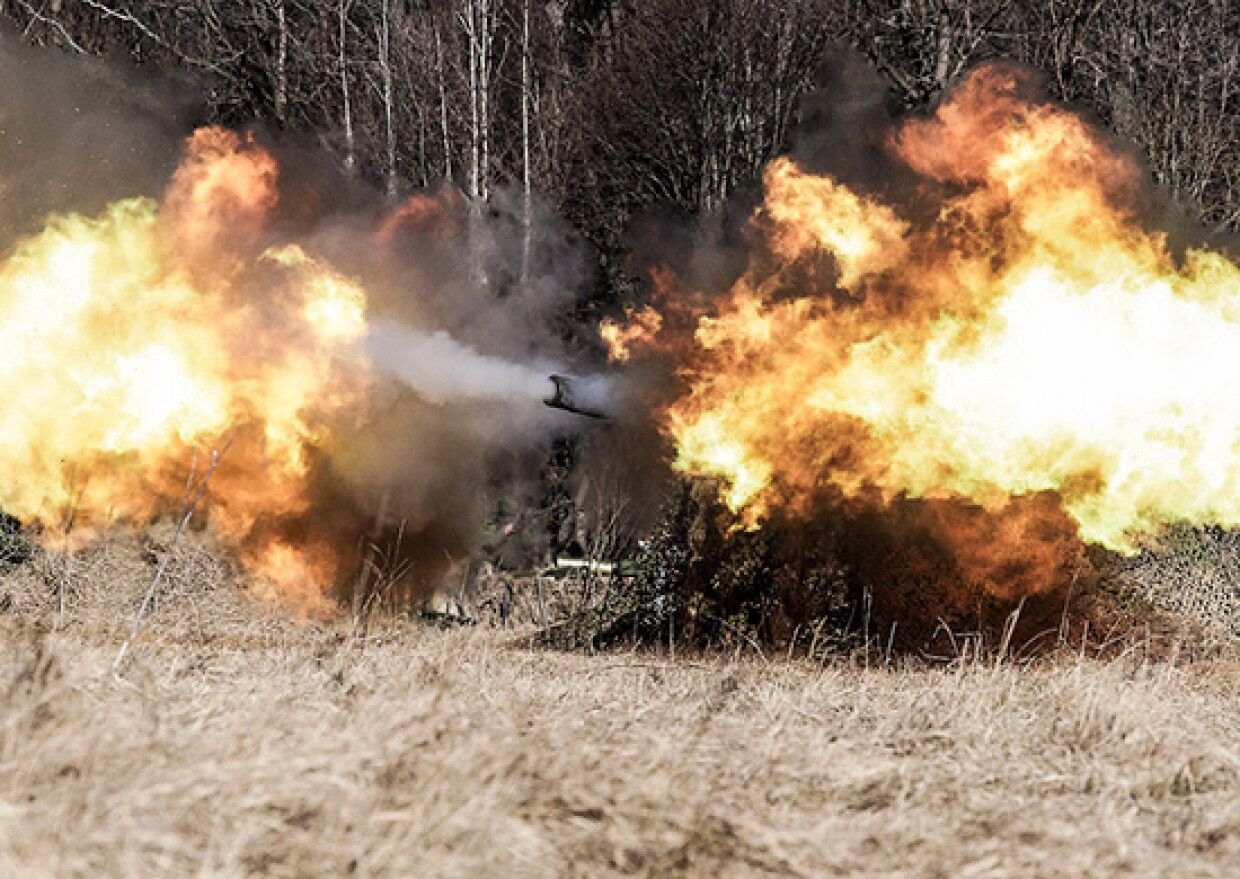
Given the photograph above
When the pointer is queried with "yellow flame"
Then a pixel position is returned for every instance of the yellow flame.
(131, 338)
(1031, 336)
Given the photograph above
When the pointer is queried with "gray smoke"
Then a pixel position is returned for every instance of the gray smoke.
(439, 368)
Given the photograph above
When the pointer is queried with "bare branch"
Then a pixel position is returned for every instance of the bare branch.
(36, 15)
(125, 16)
(188, 514)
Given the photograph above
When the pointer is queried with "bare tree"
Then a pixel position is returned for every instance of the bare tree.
(609, 108)
(1169, 81)
(922, 46)
(442, 83)
(527, 194)
(346, 108)
(383, 35)
(281, 65)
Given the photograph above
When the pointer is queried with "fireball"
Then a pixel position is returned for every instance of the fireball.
(1030, 335)
(132, 340)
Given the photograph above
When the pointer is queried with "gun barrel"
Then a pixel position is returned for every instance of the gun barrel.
(571, 395)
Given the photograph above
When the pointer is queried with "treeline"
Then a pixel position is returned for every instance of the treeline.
(611, 108)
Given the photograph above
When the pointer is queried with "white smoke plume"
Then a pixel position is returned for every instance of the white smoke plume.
(439, 368)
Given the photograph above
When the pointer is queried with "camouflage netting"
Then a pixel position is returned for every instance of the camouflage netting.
(1194, 573)
(837, 582)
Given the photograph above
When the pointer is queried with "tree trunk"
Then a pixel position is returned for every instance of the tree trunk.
(443, 104)
(385, 70)
(350, 143)
(478, 23)
(526, 184)
(281, 62)
(469, 19)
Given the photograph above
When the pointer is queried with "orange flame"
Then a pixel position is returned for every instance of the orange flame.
(131, 339)
(1031, 338)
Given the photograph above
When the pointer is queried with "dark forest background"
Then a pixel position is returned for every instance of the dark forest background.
(609, 111)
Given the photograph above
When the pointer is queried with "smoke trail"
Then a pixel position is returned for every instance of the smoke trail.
(439, 368)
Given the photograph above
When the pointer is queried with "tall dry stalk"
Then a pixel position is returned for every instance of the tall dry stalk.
(190, 508)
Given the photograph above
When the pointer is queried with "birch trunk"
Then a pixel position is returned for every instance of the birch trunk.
(350, 141)
(385, 70)
(526, 184)
(281, 62)
(443, 105)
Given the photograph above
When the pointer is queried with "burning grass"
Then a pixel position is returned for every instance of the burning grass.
(240, 743)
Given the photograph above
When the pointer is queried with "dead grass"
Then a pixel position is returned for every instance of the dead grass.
(238, 743)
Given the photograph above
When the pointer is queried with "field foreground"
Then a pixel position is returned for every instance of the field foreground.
(282, 750)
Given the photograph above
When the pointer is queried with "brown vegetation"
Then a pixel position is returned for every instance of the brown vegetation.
(238, 743)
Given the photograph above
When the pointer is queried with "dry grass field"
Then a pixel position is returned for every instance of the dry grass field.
(238, 743)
